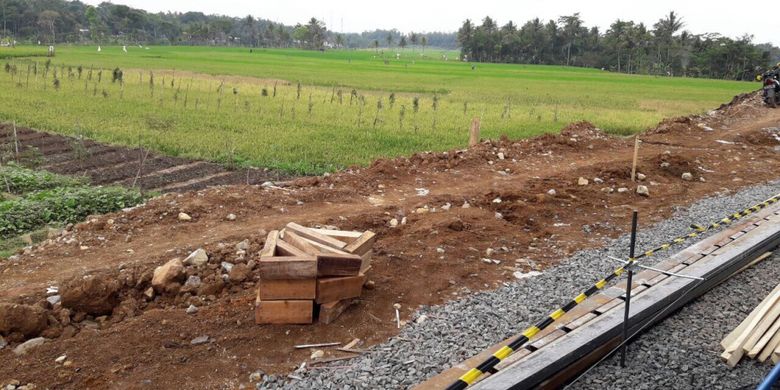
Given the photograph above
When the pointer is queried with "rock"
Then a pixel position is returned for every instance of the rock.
(60, 359)
(184, 217)
(642, 190)
(622, 190)
(497, 200)
(489, 252)
(192, 284)
(200, 340)
(192, 309)
(582, 181)
(3, 343)
(197, 258)
(421, 210)
(92, 294)
(446, 206)
(54, 299)
(552, 192)
(227, 266)
(403, 221)
(466, 205)
(440, 250)
(167, 274)
(640, 176)
(239, 273)
(256, 376)
(393, 222)
(267, 184)
(665, 164)
(149, 293)
(421, 319)
(26, 346)
(369, 285)
(598, 180)
(501, 156)
(243, 245)
(231, 217)
(499, 215)
(687, 176)
(318, 354)
(608, 190)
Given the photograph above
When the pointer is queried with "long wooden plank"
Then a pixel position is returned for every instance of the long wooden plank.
(269, 248)
(344, 235)
(764, 340)
(338, 265)
(735, 351)
(314, 236)
(729, 339)
(285, 249)
(769, 319)
(770, 347)
(299, 242)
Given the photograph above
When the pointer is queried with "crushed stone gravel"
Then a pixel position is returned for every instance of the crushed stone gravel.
(682, 352)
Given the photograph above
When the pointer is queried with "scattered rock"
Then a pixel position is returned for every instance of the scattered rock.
(551, 192)
(582, 181)
(92, 294)
(227, 266)
(60, 359)
(497, 200)
(243, 245)
(466, 205)
(369, 285)
(3, 343)
(231, 217)
(421, 319)
(641, 176)
(149, 293)
(318, 354)
(54, 299)
(26, 346)
(687, 176)
(446, 206)
(642, 190)
(440, 250)
(267, 184)
(489, 252)
(197, 258)
(499, 215)
(167, 274)
(192, 309)
(200, 340)
(184, 217)
(598, 180)
(256, 376)
(421, 210)
(192, 284)
(393, 222)
(622, 190)
(239, 273)
(501, 156)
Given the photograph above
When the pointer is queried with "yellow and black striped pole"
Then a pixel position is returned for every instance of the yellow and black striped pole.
(489, 364)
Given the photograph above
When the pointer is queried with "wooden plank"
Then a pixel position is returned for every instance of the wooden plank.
(770, 347)
(347, 236)
(548, 338)
(734, 351)
(314, 236)
(365, 265)
(336, 289)
(330, 311)
(764, 340)
(338, 265)
(269, 248)
(287, 267)
(729, 339)
(285, 249)
(363, 244)
(275, 289)
(776, 355)
(762, 327)
(299, 242)
(325, 248)
(284, 312)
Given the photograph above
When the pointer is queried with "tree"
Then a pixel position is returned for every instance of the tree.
(402, 42)
(339, 40)
(389, 39)
(423, 42)
(315, 33)
(376, 46)
(413, 38)
(47, 21)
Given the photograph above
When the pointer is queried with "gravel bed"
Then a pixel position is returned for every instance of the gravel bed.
(685, 344)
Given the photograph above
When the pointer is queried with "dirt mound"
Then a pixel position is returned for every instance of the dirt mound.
(91, 294)
(21, 321)
(768, 136)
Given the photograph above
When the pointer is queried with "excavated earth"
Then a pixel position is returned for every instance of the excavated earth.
(517, 203)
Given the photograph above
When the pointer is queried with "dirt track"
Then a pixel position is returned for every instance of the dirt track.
(148, 343)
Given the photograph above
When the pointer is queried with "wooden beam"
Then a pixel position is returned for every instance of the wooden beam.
(363, 244)
(284, 312)
(735, 350)
(336, 289)
(729, 339)
(285, 249)
(764, 340)
(269, 248)
(299, 242)
(274, 289)
(338, 265)
(314, 236)
(287, 267)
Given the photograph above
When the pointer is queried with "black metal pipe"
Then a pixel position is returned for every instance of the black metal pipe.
(629, 281)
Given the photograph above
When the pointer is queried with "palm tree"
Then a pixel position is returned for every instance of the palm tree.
(389, 39)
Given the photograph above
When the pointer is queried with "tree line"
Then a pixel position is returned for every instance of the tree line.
(59, 21)
(666, 48)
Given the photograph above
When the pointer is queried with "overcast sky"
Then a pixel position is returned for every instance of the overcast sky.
(730, 19)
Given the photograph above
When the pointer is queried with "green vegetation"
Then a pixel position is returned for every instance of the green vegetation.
(310, 112)
(61, 205)
(18, 180)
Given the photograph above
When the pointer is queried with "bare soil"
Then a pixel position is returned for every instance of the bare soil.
(117, 338)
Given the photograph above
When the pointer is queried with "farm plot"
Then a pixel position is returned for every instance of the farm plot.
(115, 165)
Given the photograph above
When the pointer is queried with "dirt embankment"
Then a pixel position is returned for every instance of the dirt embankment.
(448, 224)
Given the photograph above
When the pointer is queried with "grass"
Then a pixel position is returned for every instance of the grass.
(209, 102)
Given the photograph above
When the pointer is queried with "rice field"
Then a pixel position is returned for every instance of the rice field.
(308, 112)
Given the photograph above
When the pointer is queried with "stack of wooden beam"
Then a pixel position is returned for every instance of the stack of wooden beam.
(307, 273)
(758, 336)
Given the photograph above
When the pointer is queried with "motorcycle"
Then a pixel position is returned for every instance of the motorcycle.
(771, 89)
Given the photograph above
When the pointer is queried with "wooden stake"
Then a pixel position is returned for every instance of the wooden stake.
(636, 157)
(474, 132)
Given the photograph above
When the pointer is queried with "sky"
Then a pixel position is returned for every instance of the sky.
(426, 16)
